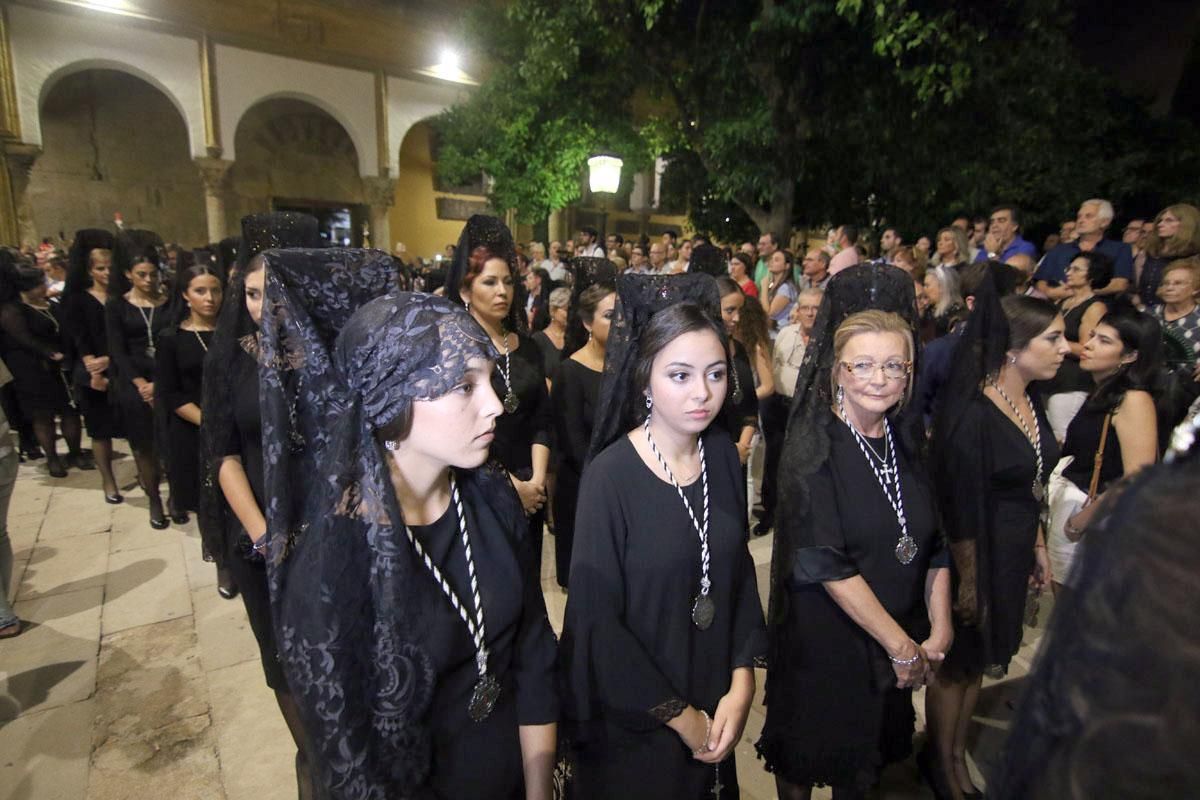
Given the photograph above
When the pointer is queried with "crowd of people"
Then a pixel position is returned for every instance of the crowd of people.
(374, 448)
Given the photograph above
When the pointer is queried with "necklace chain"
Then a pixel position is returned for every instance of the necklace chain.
(474, 622)
(1034, 438)
(200, 339)
(889, 482)
(506, 372)
(701, 530)
(149, 325)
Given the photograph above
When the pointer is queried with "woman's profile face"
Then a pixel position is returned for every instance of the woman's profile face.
(933, 289)
(602, 319)
(254, 292)
(737, 270)
(946, 246)
(490, 293)
(731, 310)
(1077, 274)
(778, 263)
(1040, 359)
(456, 429)
(1168, 225)
(688, 381)
(1104, 352)
(559, 314)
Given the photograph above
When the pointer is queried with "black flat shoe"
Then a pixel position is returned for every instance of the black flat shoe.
(56, 468)
(158, 520)
(226, 587)
(180, 517)
(113, 499)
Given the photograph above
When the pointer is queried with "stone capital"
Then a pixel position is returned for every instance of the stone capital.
(20, 158)
(214, 172)
(379, 192)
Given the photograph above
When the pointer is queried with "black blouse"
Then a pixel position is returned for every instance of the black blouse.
(633, 659)
(245, 440)
(179, 372)
(483, 759)
(530, 424)
(83, 325)
(573, 399)
(736, 416)
(130, 335)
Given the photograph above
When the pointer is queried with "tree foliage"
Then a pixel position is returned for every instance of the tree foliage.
(786, 111)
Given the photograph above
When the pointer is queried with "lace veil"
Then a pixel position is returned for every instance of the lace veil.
(588, 271)
(492, 233)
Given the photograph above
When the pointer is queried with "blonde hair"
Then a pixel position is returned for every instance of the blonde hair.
(1188, 265)
(872, 321)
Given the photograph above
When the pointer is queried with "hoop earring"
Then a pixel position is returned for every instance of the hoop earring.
(392, 445)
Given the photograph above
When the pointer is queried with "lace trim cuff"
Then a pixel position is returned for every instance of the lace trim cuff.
(666, 711)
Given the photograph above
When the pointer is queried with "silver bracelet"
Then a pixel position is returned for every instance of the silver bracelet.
(906, 662)
(707, 732)
(260, 545)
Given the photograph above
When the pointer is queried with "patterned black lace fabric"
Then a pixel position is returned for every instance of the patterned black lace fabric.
(806, 448)
(492, 233)
(640, 297)
(339, 358)
(587, 271)
(278, 230)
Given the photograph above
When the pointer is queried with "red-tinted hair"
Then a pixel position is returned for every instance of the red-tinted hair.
(480, 256)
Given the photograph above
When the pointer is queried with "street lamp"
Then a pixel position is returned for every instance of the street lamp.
(604, 173)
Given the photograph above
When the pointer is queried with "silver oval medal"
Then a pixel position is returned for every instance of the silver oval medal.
(1039, 491)
(483, 699)
(703, 611)
(511, 403)
(906, 549)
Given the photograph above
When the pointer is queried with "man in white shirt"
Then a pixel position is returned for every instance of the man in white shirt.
(589, 245)
(658, 258)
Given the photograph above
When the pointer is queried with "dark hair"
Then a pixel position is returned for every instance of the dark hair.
(399, 428)
(177, 308)
(620, 239)
(543, 276)
(851, 233)
(744, 260)
(771, 235)
(590, 231)
(790, 260)
(1013, 211)
(671, 234)
(727, 286)
(753, 329)
(26, 278)
(971, 277)
(1027, 318)
(1139, 333)
(1099, 268)
(479, 256)
(665, 327)
(589, 300)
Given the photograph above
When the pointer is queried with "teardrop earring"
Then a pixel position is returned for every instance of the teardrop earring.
(841, 402)
(649, 402)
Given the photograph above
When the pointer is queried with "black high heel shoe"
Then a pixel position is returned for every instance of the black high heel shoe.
(158, 520)
(113, 499)
(226, 587)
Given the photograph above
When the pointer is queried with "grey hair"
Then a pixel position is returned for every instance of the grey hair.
(559, 298)
(1104, 209)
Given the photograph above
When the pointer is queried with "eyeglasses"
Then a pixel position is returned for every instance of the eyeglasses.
(865, 370)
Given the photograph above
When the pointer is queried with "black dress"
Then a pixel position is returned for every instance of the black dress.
(530, 424)
(1082, 442)
(834, 714)
(632, 657)
(179, 373)
(551, 356)
(1013, 513)
(130, 335)
(30, 336)
(737, 415)
(482, 760)
(576, 389)
(83, 327)
(245, 440)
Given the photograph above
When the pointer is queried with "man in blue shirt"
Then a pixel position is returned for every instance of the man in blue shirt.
(1003, 240)
(1093, 219)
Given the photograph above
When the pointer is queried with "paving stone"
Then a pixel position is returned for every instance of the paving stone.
(65, 566)
(200, 573)
(256, 749)
(145, 586)
(45, 755)
(223, 632)
(53, 662)
(153, 734)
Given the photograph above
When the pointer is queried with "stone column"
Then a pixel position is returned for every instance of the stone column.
(380, 194)
(19, 159)
(215, 174)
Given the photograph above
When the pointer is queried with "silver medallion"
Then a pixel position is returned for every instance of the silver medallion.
(511, 403)
(150, 351)
(906, 549)
(483, 699)
(703, 611)
(737, 395)
(1039, 491)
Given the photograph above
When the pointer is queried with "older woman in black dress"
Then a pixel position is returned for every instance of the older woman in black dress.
(82, 303)
(180, 373)
(663, 623)
(860, 597)
(135, 320)
(34, 351)
(483, 279)
(995, 452)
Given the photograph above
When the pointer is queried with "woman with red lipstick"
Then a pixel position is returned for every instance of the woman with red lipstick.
(179, 368)
(994, 453)
(482, 278)
(663, 623)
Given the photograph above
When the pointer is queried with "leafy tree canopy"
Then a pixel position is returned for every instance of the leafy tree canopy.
(801, 111)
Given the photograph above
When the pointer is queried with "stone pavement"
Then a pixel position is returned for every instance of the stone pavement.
(135, 679)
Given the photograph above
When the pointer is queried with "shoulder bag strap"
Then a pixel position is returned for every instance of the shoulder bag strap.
(1099, 460)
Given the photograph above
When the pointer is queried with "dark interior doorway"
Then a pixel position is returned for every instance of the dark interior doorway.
(341, 224)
